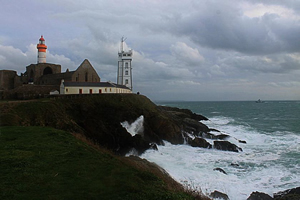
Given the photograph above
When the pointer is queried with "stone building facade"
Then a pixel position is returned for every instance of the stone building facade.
(47, 74)
(35, 72)
(7, 79)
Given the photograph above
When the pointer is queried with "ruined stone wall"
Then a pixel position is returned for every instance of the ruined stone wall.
(54, 79)
(29, 92)
(20, 80)
(35, 71)
(7, 79)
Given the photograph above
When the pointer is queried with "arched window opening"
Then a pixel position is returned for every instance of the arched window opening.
(31, 76)
(86, 76)
(47, 70)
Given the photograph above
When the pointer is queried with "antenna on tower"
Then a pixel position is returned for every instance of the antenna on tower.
(122, 41)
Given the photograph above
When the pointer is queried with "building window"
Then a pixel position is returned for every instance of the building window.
(126, 81)
(126, 65)
(47, 70)
(86, 77)
(67, 90)
(105, 89)
(126, 72)
(91, 91)
(100, 91)
(80, 91)
(110, 89)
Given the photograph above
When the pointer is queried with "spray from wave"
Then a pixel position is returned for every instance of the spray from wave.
(137, 127)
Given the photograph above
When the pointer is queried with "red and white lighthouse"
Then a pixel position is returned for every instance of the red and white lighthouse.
(41, 50)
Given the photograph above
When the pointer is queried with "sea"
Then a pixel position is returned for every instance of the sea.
(269, 162)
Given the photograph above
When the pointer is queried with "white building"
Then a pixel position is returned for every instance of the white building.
(92, 88)
(124, 79)
(124, 76)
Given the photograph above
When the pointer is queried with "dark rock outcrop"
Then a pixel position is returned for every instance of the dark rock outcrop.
(219, 195)
(200, 142)
(213, 136)
(182, 113)
(220, 170)
(185, 119)
(291, 194)
(259, 196)
(226, 146)
(214, 130)
(234, 165)
(192, 125)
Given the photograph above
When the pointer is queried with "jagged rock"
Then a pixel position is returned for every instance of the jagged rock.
(222, 136)
(153, 146)
(234, 165)
(185, 119)
(259, 196)
(214, 130)
(194, 126)
(226, 146)
(291, 194)
(219, 195)
(212, 136)
(139, 144)
(183, 113)
(200, 142)
(220, 170)
(242, 141)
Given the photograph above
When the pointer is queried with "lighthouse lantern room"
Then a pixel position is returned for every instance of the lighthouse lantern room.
(41, 50)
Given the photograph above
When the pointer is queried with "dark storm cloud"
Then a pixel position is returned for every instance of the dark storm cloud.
(183, 50)
(225, 27)
(279, 64)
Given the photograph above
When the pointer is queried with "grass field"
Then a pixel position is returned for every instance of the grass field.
(46, 163)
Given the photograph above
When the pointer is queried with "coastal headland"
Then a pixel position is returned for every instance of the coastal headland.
(99, 118)
(74, 146)
(68, 148)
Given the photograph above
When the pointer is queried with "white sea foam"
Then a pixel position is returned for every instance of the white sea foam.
(261, 166)
(136, 127)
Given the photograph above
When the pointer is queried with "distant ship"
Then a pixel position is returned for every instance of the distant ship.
(259, 101)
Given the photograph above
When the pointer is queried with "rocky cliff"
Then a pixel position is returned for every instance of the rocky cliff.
(99, 118)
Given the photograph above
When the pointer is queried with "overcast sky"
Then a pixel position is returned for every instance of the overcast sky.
(183, 50)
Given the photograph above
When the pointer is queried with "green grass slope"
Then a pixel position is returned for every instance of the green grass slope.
(46, 163)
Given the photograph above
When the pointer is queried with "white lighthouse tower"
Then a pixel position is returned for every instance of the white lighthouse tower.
(124, 76)
(41, 50)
